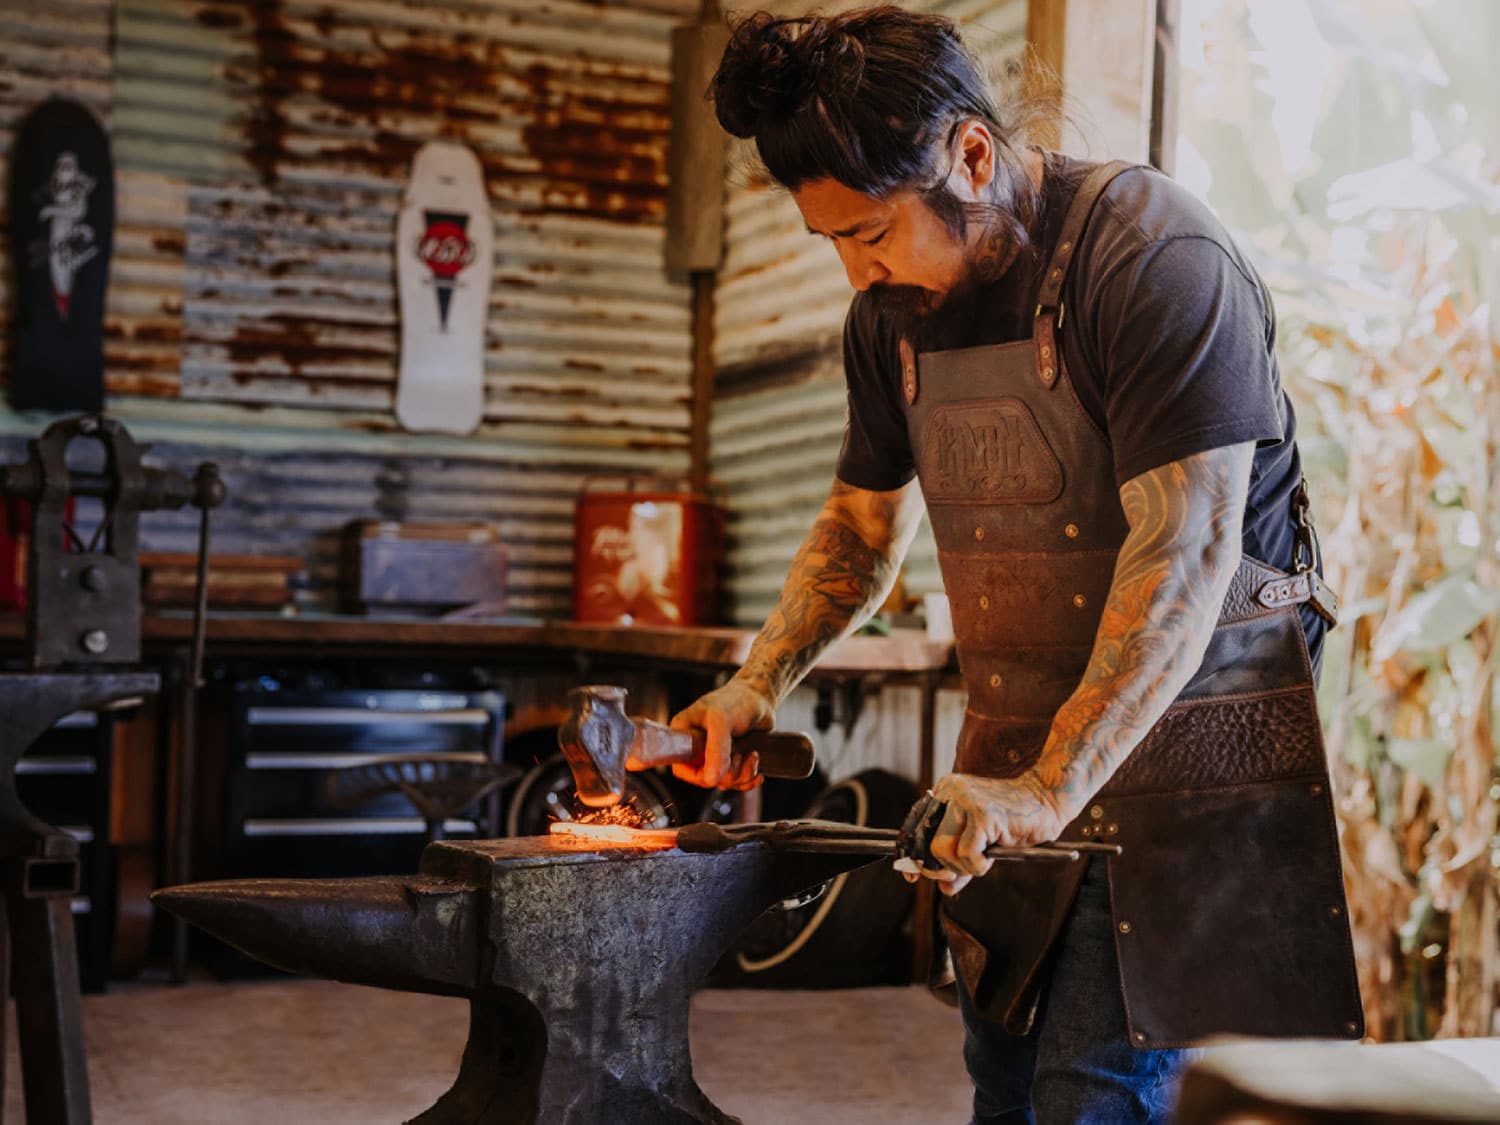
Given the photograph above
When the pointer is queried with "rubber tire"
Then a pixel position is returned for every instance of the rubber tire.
(526, 812)
(855, 935)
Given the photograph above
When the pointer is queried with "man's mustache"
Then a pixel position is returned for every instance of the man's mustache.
(902, 300)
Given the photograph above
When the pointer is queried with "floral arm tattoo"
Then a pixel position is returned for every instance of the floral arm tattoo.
(842, 572)
(1170, 580)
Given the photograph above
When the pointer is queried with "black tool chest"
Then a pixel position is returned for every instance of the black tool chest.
(64, 779)
(288, 737)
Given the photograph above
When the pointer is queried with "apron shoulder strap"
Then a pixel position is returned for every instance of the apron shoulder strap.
(1049, 311)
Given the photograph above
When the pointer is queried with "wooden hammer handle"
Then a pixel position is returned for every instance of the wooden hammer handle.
(783, 753)
(787, 754)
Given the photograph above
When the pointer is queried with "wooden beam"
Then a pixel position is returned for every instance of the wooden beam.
(1104, 53)
(1046, 26)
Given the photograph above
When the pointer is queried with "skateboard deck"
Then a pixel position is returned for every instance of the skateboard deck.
(62, 215)
(445, 250)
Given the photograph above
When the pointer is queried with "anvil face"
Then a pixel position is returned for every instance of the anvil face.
(579, 962)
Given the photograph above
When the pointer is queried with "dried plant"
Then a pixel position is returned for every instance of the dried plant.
(1382, 247)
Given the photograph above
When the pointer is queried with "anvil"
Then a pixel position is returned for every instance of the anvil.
(578, 961)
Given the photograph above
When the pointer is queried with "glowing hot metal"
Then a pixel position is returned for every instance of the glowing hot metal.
(615, 835)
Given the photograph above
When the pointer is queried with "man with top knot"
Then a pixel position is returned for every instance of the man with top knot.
(1071, 367)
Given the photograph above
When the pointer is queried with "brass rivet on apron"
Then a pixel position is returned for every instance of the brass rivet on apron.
(1065, 247)
(1056, 274)
(1315, 789)
(1086, 830)
(1047, 374)
(1125, 927)
(1012, 755)
(1097, 812)
(1351, 1028)
(1112, 829)
(995, 680)
(1080, 601)
(1139, 1037)
(1046, 352)
(1071, 531)
(984, 601)
(979, 533)
(1335, 911)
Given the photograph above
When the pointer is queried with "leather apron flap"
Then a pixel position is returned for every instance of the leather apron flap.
(1000, 928)
(1244, 932)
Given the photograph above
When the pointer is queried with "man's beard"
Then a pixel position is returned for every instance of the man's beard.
(926, 319)
(930, 320)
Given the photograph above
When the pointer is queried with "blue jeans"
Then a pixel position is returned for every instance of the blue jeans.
(1076, 1066)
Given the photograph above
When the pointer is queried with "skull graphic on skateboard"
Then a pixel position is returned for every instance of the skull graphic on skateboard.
(445, 248)
(62, 218)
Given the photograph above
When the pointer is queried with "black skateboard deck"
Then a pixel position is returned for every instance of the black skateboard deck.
(62, 215)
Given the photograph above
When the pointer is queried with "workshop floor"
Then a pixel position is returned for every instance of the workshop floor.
(317, 1053)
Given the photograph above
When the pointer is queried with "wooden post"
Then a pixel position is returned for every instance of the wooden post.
(1103, 53)
(695, 207)
(1165, 85)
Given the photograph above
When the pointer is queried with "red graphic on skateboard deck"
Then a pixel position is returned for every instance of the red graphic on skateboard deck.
(445, 249)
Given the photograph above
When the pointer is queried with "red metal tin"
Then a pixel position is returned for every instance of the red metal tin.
(15, 548)
(646, 553)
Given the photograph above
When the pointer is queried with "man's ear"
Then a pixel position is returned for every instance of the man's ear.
(974, 167)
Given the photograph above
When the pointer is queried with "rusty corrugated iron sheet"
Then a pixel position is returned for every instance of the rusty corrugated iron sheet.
(260, 148)
(774, 451)
(780, 307)
(294, 124)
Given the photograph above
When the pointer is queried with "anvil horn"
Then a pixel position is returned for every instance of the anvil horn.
(411, 933)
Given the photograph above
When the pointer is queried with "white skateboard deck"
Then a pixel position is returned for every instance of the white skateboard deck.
(445, 257)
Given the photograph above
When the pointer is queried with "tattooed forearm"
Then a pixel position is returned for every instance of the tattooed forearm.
(1170, 580)
(842, 572)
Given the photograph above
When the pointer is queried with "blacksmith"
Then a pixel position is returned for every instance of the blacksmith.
(1072, 366)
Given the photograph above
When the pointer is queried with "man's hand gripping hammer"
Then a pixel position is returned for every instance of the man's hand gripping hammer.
(601, 742)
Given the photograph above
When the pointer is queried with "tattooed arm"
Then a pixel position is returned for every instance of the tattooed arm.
(1170, 581)
(842, 572)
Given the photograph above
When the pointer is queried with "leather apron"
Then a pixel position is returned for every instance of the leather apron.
(1228, 900)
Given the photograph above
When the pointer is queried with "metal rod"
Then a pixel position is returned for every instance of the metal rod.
(187, 751)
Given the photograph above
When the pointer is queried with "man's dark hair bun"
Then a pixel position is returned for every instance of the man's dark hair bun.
(868, 97)
(772, 67)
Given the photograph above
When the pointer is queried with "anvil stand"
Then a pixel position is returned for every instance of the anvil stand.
(82, 625)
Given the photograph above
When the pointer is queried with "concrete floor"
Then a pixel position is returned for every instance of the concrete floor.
(294, 1052)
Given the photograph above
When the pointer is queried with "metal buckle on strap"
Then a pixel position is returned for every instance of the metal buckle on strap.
(1307, 559)
(1061, 312)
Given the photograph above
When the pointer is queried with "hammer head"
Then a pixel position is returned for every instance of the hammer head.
(595, 739)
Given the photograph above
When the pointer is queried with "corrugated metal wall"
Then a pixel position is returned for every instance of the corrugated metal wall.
(780, 308)
(260, 148)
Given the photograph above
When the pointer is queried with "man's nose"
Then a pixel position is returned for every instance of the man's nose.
(863, 268)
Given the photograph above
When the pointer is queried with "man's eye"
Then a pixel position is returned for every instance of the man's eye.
(876, 240)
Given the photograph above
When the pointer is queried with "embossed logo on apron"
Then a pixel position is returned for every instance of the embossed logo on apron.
(987, 452)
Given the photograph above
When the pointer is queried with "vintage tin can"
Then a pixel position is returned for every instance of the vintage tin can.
(646, 551)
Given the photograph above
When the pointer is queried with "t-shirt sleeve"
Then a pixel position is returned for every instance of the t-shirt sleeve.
(876, 454)
(1185, 342)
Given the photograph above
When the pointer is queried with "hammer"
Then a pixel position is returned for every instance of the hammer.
(600, 743)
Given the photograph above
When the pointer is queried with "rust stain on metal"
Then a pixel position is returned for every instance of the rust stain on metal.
(295, 340)
(219, 18)
(119, 382)
(597, 157)
(144, 332)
